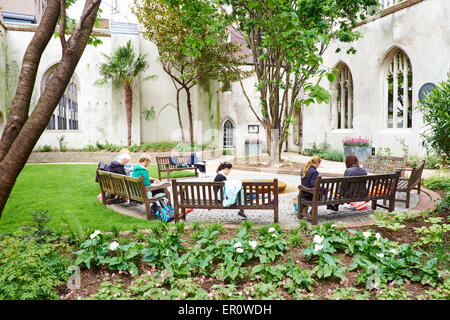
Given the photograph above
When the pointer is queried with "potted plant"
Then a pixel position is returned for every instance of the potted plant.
(357, 146)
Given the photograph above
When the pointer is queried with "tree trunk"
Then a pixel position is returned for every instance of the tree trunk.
(274, 146)
(180, 122)
(128, 107)
(22, 146)
(20, 104)
(191, 125)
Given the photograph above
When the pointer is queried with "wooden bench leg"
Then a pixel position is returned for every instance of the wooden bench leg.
(104, 198)
(168, 174)
(275, 214)
(374, 204)
(147, 210)
(314, 215)
(392, 203)
(183, 212)
(418, 188)
(407, 198)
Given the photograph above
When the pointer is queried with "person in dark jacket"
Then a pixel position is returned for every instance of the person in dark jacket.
(309, 176)
(223, 171)
(354, 170)
(119, 166)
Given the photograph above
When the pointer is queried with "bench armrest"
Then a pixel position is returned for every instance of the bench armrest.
(303, 188)
(160, 186)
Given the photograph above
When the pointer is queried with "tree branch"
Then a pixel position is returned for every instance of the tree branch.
(62, 26)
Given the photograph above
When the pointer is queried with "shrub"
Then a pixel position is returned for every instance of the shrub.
(30, 270)
(436, 116)
(437, 183)
(45, 148)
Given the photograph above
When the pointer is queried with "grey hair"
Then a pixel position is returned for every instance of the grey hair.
(124, 156)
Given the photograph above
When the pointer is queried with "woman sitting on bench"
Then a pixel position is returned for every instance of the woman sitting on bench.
(309, 176)
(223, 171)
(141, 170)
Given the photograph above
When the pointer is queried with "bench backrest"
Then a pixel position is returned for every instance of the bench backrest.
(164, 162)
(124, 186)
(201, 194)
(383, 164)
(359, 188)
(416, 174)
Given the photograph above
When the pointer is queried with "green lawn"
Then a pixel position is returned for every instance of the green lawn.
(69, 193)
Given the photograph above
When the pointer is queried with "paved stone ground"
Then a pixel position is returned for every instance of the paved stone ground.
(287, 214)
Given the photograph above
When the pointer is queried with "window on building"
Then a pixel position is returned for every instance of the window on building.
(65, 116)
(342, 102)
(228, 134)
(398, 91)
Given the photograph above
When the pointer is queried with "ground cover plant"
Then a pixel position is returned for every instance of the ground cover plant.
(68, 192)
(209, 261)
(250, 262)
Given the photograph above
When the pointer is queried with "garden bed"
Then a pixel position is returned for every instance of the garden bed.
(101, 283)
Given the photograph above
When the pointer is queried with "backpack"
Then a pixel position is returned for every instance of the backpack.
(163, 210)
(103, 167)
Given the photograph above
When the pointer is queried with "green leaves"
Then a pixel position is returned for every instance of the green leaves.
(436, 116)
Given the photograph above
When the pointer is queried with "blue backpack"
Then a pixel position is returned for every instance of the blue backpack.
(163, 210)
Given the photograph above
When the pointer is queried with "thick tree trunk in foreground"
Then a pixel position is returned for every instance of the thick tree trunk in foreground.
(20, 104)
(20, 149)
(128, 107)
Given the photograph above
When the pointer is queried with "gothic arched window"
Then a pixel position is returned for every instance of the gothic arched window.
(65, 116)
(398, 90)
(342, 102)
(228, 134)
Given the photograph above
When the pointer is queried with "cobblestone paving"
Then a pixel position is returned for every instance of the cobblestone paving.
(287, 214)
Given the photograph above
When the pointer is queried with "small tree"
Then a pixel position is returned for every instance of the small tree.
(190, 52)
(123, 67)
(436, 116)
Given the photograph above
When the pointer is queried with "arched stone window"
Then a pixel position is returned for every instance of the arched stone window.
(398, 90)
(228, 134)
(65, 116)
(342, 99)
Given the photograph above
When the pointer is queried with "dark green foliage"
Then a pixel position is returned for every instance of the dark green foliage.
(30, 270)
(436, 115)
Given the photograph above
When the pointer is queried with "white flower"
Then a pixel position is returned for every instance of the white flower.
(253, 244)
(113, 246)
(393, 251)
(271, 229)
(318, 239)
(237, 245)
(318, 247)
(239, 250)
(366, 234)
(274, 235)
(380, 255)
(96, 233)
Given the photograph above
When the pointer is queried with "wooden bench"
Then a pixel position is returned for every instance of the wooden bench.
(164, 165)
(204, 195)
(340, 190)
(384, 164)
(413, 182)
(128, 187)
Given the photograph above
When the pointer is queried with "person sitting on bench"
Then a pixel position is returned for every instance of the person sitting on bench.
(309, 176)
(223, 171)
(118, 166)
(141, 170)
